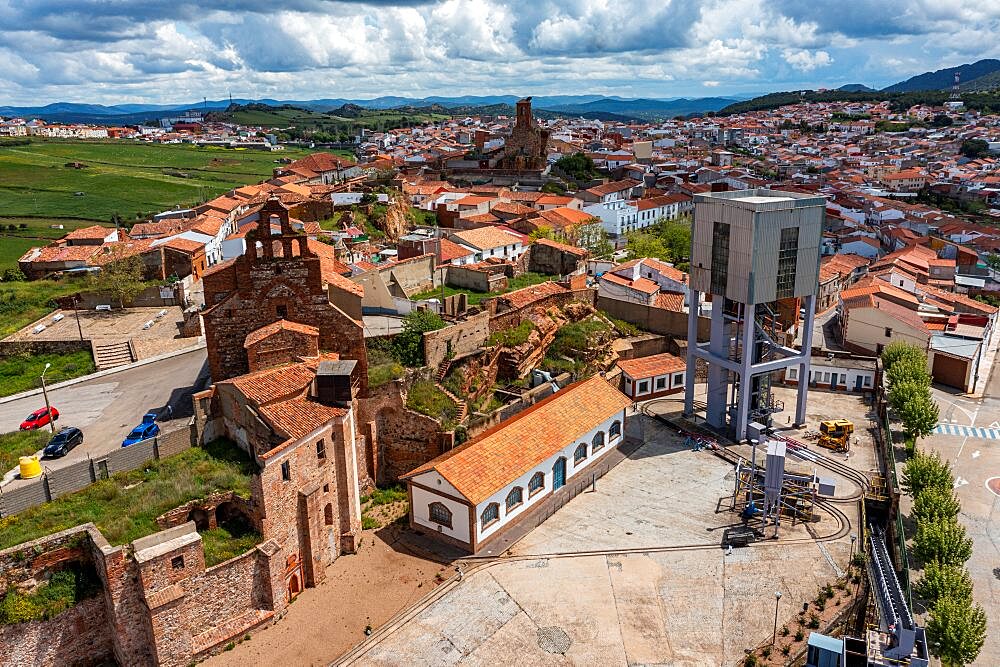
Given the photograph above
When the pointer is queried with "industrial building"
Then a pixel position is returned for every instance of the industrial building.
(755, 254)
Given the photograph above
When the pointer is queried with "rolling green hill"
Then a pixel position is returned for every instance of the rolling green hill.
(987, 101)
(335, 125)
(121, 177)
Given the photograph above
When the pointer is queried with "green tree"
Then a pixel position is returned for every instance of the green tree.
(122, 279)
(942, 541)
(935, 503)
(940, 581)
(974, 148)
(909, 370)
(956, 630)
(941, 120)
(919, 415)
(578, 166)
(898, 350)
(595, 240)
(925, 471)
(408, 345)
(992, 260)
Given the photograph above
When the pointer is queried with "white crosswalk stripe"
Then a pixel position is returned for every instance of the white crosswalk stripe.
(968, 431)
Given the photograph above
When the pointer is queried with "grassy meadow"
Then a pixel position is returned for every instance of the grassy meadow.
(130, 179)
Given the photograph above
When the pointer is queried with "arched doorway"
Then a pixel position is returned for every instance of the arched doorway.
(559, 473)
(200, 518)
(293, 586)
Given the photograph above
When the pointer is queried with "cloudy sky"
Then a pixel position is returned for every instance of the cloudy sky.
(118, 51)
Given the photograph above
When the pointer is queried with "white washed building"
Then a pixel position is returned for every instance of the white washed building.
(472, 494)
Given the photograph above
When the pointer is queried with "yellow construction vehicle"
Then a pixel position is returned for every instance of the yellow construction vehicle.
(836, 434)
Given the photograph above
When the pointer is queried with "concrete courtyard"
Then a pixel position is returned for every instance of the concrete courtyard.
(975, 461)
(630, 573)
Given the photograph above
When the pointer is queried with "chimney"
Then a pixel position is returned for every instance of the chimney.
(332, 386)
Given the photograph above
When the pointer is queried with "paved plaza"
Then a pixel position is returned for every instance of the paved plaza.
(629, 573)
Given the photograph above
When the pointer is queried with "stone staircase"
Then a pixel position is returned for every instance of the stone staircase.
(463, 408)
(109, 355)
(443, 369)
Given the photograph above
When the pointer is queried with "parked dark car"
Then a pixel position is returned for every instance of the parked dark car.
(62, 442)
(144, 431)
(38, 419)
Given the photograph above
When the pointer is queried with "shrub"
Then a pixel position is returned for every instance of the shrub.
(814, 620)
(799, 635)
(784, 631)
(786, 649)
(513, 336)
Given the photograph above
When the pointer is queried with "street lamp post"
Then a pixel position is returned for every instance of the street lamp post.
(774, 634)
(76, 311)
(850, 563)
(45, 393)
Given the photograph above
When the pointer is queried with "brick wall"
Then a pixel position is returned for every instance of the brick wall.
(285, 282)
(478, 279)
(401, 438)
(282, 347)
(656, 320)
(79, 636)
(457, 339)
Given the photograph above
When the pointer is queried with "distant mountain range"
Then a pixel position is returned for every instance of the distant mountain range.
(592, 106)
(945, 78)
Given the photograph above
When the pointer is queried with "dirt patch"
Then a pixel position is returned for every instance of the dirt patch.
(361, 590)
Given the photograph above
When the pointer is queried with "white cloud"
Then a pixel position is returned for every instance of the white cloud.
(154, 50)
(806, 61)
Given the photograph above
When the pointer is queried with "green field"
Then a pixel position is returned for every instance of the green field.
(23, 372)
(22, 303)
(307, 121)
(126, 178)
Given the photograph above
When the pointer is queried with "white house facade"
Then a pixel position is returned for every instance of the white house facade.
(472, 494)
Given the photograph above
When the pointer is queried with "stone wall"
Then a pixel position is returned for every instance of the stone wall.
(479, 279)
(512, 318)
(79, 636)
(401, 438)
(650, 318)
(457, 340)
(551, 259)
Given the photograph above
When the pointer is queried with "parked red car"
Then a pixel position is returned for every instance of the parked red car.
(38, 419)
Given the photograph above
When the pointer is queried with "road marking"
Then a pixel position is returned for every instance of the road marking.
(991, 433)
(995, 425)
(975, 454)
(960, 481)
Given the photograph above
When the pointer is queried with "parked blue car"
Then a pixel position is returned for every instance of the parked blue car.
(144, 431)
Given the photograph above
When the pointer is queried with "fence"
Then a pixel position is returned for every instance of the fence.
(885, 441)
(58, 482)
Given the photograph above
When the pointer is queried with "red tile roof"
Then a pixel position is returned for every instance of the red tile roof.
(255, 337)
(497, 457)
(657, 364)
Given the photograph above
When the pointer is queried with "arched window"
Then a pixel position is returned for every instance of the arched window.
(615, 430)
(580, 454)
(490, 515)
(439, 514)
(536, 484)
(598, 441)
(515, 498)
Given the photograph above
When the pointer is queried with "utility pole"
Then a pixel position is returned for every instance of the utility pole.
(45, 393)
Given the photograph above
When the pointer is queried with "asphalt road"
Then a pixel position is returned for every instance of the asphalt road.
(107, 408)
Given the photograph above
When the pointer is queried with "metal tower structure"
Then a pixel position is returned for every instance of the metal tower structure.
(956, 88)
(756, 253)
